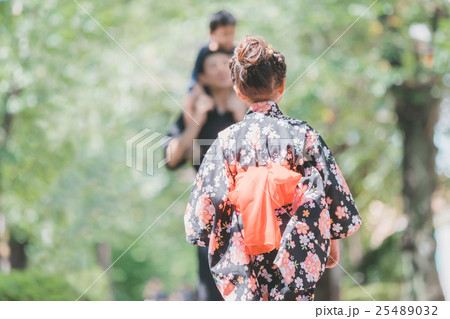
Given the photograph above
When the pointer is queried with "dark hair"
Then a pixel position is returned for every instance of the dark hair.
(200, 64)
(256, 68)
(206, 53)
(220, 19)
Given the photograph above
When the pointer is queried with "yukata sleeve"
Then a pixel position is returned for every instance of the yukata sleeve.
(344, 215)
(208, 195)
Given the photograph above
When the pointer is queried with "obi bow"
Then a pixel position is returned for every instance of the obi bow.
(257, 193)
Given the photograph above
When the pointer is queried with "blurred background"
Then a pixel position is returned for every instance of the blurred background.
(77, 80)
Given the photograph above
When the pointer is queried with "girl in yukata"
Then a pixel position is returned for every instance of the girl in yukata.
(269, 200)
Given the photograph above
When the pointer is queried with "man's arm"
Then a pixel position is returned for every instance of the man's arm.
(180, 147)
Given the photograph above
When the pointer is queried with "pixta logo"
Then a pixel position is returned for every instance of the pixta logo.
(141, 148)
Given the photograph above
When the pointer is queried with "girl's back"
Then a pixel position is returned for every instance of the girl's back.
(264, 144)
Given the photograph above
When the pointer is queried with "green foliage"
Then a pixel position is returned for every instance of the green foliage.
(380, 291)
(76, 96)
(377, 264)
(32, 285)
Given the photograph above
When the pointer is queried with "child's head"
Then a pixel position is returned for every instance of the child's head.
(222, 27)
(257, 70)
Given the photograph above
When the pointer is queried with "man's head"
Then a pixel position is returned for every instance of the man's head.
(214, 71)
(222, 27)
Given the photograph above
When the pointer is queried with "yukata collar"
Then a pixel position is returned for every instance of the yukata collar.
(265, 107)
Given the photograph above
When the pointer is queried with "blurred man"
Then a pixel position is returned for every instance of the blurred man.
(204, 116)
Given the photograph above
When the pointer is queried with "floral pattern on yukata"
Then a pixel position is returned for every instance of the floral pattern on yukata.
(323, 208)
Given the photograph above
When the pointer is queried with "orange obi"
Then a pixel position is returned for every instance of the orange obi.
(258, 192)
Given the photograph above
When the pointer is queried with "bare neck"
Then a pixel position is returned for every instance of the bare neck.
(275, 97)
(220, 96)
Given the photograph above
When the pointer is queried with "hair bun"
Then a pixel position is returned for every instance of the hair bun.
(256, 68)
(252, 52)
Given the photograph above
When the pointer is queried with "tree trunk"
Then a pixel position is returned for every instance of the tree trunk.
(328, 287)
(104, 259)
(18, 256)
(5, 129)
(5, 265)
(417, 113)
